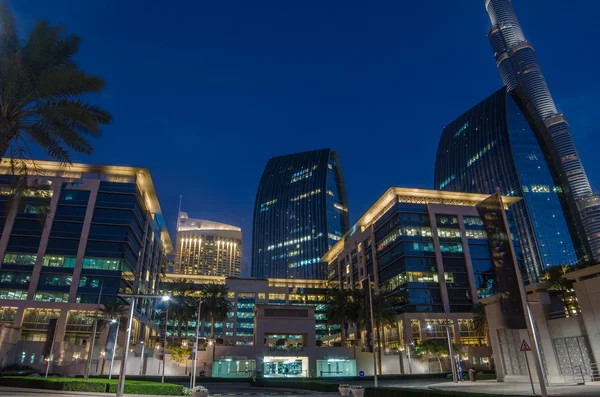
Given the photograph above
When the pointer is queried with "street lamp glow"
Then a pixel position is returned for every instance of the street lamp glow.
(113, 321)
(165, 298)
(429, 326)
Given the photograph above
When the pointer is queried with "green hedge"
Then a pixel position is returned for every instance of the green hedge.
(53, 384)
(405, 392)
(314, 385)
(93, 385)
(161, 389)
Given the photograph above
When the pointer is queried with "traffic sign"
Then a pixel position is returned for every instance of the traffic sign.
(361, 374)
(525, 347)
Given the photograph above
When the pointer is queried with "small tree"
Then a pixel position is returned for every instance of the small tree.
(480, 323)
(180, 355)
(554, 277)
(435, 347)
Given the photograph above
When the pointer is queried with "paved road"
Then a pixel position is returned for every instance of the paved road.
(520, 389)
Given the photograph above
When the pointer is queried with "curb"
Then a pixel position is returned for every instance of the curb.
(285, 393)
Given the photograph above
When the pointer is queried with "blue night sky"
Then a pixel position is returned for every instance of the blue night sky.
(204, 92)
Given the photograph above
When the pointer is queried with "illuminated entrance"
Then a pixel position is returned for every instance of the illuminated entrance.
(336, 367)
(286, 367)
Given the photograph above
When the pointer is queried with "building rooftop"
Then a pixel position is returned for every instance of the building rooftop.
(109, 173)
(188, 224)
(409, 195)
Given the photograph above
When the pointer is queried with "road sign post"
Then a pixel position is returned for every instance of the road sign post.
(526, 348)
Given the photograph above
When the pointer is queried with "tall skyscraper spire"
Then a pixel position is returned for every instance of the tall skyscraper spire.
(520, 69)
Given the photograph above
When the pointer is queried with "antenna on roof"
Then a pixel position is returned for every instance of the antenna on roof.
(179, 211)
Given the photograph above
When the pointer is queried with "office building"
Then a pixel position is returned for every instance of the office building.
(207, 248)
(495, 145)
(76, 236)
(430, 250)
(300, 212)
(520, 70)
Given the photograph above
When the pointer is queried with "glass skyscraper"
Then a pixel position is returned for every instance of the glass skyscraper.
(519, 69)
(494, 146)
(300, 212)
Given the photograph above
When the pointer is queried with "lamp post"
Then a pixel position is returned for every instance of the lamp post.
(165, 346)
(142, 360)
(375, 380)
(121, 384)
(94, 328)
(450, 349)
(408, 351)
(114, 351)
(194, 364)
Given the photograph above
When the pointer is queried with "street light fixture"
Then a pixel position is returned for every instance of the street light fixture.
(450, 348)
(133, 297)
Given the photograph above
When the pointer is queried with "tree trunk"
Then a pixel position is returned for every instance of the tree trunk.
(440, 363)
(380, 366)
(179, 320)
(177, 368)
(212, 327)
(102, 369)
(5, 138)
(343, 333)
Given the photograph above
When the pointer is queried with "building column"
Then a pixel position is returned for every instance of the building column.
(10, 221)
(85, 233)
(468, 262)
(438, 259)
(35, 275)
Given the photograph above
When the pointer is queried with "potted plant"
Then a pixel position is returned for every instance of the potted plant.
(358, 390)
(198, 391)
(344, 389)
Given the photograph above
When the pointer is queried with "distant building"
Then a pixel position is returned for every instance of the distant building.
(496, 144)
(430, 249)
(300, 212)
(78, 235)
(207, 248)
(520, 70)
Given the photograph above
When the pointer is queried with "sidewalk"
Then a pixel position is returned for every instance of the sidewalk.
(519, 389)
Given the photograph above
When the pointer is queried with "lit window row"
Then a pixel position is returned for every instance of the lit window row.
(289, 242)
(305, 195)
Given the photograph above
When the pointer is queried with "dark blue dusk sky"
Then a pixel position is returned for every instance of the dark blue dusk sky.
(204, 92)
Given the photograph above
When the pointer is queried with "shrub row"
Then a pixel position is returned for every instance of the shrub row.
(94, 385)
(161, 389)
(405, 392)
(53, 384)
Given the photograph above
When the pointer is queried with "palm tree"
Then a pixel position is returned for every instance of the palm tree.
(480, 323)
(215, 305)
(384, 315)
(181, 289)
(553, 275)
(356, 310)
(114, 310)
(117, 311)
(338, 307)
(41, 91)
(435, 347)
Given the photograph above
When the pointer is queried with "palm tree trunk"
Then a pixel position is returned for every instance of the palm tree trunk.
(212, 327)
(179, 320)
(6, 137)
(343, 334)
(102, 369)
(379, 349)
(440, 363)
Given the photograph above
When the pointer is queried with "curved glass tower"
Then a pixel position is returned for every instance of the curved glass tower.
(494, 146)
(519, 68)
(300, 212)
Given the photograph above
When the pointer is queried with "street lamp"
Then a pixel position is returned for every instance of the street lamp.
(133, 297)
(114, 351)
(194, 364)
(450, 349)
(368, 279)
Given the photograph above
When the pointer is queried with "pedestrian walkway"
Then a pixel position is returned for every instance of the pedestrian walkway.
(519, 388)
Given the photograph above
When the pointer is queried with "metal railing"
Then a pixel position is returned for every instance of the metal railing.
(595, 371)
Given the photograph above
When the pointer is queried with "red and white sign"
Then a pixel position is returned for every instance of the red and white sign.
(525, 347)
